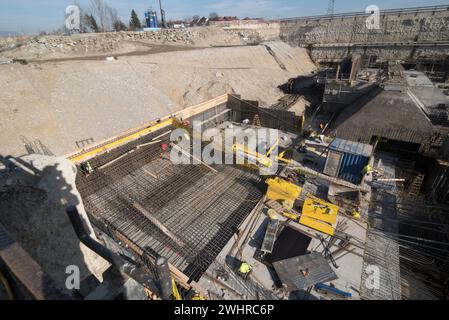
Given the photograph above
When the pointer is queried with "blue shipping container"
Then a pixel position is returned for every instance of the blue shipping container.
(151, 19)
(147, 19)
(354, 156)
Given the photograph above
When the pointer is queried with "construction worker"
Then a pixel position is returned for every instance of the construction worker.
(322, 127)
(356, 214)
(86, 168)
(367, 170)
(302, 147)
(245, 269)
(164, 147)
(305, 273)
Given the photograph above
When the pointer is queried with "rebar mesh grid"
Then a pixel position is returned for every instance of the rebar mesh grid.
(199, 210)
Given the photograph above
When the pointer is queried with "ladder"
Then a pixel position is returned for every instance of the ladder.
(416, 185)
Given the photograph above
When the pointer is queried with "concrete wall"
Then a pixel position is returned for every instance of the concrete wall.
(333, 37)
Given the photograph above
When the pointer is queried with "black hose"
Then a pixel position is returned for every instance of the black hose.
(87, 240)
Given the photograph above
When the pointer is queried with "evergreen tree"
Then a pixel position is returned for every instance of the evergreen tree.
(134, 23)
(91, 22)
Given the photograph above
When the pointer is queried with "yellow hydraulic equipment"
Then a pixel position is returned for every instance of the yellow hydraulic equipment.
(251, 154)
(272, 147)
(319, 215)
(282, 158)
(198, 297)
(281, 190)
(278, 209)
(264, 160)
(176, 294)
(291, 216)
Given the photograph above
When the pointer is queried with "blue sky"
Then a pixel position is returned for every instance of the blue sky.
(32, 16)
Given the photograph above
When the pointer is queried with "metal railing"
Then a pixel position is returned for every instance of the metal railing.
(438, 8)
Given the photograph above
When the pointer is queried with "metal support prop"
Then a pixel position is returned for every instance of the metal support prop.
(327, 251)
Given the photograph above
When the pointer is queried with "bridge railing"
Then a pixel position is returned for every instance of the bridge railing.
(438, 8)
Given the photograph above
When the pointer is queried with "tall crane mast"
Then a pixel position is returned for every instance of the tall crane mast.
(162, 15)
(331, 7)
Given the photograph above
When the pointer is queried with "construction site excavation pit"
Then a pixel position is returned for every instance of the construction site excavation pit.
(186, 213)
(333, 138)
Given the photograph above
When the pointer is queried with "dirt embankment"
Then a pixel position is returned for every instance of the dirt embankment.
(61, 101)
(60, 104)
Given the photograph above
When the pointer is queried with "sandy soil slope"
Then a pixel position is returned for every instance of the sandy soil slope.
(57, 104)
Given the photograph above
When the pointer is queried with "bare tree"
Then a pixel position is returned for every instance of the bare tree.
(113, 19)
(99, 9)
(119, 25)
(87, 22)
(100, 17)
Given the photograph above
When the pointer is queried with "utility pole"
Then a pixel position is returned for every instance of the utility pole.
(331, 7)
(162, 14)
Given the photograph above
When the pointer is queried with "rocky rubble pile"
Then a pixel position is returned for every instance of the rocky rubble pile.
(102, 42)
(52, 46)
(183, 36)
(250, 37)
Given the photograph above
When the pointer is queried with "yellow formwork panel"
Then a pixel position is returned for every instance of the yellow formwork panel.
(280, 190)
(317, 225)
(121, 141)
(320, 210)
(319, 215)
